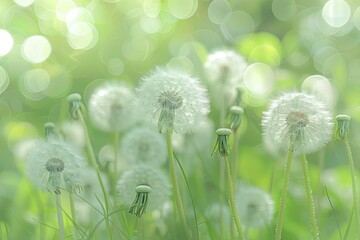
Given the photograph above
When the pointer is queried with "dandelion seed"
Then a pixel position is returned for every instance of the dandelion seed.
(55, 165)
(255, 206)
(143, 145)
(298, 118)
(110, 107)
(148, 186)
(173, 100)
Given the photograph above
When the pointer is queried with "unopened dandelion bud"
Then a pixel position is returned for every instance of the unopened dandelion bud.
(74, 101)
(50, 130)
(138, 207)
(222, 142)
(343, 126)
(236, 113)
(151, 186)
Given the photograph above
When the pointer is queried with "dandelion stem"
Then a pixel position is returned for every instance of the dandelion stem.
(139, 223)
(309, 198)
(60, 217)
(356, 202)
(90, 150)
(284, 193)
(232, 198)
(73, 215)
(93, 163)
(175, 184)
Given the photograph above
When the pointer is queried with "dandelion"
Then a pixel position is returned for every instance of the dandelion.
(147, 185)
(55, 165)
(143, 145)
(173, 100)
(298, 119)
(255, 206)
(342, 132)
(110, 107)
(222, 146)
(226, 66)
(299, 123)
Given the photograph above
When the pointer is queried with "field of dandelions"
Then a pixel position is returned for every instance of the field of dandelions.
(179, 119)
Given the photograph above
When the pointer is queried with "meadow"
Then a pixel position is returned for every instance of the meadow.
(192, 119)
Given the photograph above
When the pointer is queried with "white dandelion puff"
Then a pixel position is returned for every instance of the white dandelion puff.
(226, 66)
(110, 107)
(255, 206)
(143, 183)
(143, 145)
(55, 165)
(173, 100)
(299, 119)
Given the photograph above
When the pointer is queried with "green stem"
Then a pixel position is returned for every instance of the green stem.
(139, 223)
(234, 173)
(232, 198)
(93, 162)
(356, 202)
(309, 198)
(60, 217)
(73, 215)
(175, 184)
(284, 193)
(92, 159)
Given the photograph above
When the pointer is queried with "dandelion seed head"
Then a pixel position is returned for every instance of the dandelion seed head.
(226, 66)
(54, 165)
(110, 107)
(255, 206)
(173, 100)
(142, 178)
(143, 145)
(299, 118)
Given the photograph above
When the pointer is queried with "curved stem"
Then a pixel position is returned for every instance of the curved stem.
(175, 184)
(92, 159)
(232, 199)
(356, 202)
(309, 198)
(284, 193)
(60, 217)
(93, 162)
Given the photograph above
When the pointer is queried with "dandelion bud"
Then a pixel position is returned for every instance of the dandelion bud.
(343, 122)
(138, 207)
(55, 165)
(74, 101)
(255, 206)
(151, 186)
(236, 113)
(50, 130)
(299, 121)
(173, 100)
(222, 142)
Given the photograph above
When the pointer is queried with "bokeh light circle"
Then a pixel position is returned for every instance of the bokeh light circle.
(336, 13)
(152, 8)
(4, 80)
(24, 3)
(231, 28)
(259, 79)
(6, 42)
(79, 14)
(36, 80)
(82, 35)
(115, 66)
(182, 9)
(356, 18)
(284, 10)
(320, 87)
(218, 10)
(36, 49)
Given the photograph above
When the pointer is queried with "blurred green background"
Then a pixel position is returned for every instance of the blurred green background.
(49, 49)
